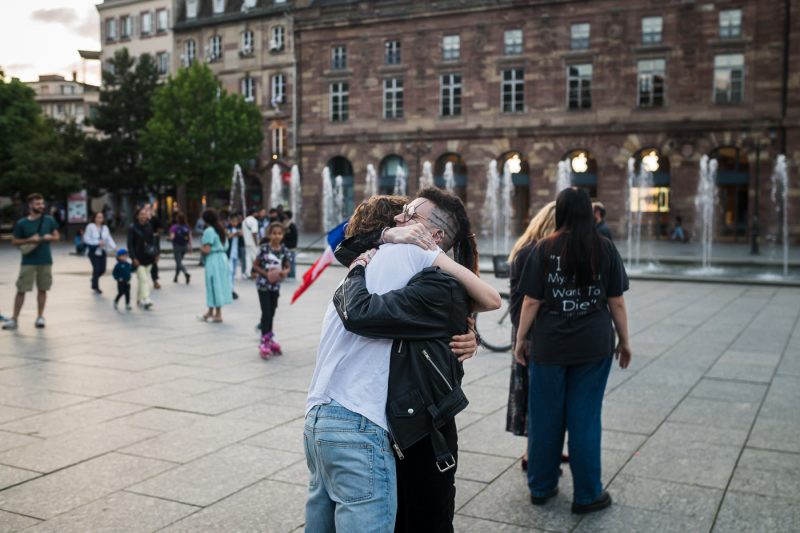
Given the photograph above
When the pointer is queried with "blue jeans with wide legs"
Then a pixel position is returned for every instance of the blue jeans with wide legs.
(566, 398)
(353, 482)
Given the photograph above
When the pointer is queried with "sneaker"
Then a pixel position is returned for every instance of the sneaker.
(274, 346)
(188, 278)
(147, 304)
(39, 322)
(116, 305)
(541, 500)
(602, 501)
(264, 348)
(156, 285)
(10, 324)
(235, 296)
(128, 307)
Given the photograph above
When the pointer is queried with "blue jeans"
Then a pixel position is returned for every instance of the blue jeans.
(566, 398)
(353, 482)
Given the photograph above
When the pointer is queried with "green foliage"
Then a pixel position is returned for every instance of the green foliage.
(19, 118)
(49, 161)
(114, 158)
(199, 131)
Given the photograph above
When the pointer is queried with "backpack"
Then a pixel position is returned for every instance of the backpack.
(181, 235)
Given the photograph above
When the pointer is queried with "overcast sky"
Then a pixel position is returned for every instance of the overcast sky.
(44, 36)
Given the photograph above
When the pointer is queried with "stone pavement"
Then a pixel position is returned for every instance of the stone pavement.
(152, 421)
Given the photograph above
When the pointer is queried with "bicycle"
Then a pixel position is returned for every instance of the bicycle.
(495, 332)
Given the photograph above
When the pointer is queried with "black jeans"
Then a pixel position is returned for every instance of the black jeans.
(178, 251)
(98, 265)
(123, 289)
(426, 498)
(269, 302)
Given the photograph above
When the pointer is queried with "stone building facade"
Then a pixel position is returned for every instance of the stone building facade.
(66, 100)
(249, 45)
(594, 82)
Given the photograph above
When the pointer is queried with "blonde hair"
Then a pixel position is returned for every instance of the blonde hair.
(542, 225)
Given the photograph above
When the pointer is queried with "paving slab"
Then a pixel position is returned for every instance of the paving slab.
(745, 513)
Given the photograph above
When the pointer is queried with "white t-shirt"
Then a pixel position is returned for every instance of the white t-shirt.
(250, 226)
(354, 370)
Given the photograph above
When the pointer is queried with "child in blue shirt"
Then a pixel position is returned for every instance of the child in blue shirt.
(122, 273)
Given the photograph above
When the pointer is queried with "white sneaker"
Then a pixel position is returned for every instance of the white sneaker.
(10, 324)
(39, 322)
(147, 305)
(128, 307)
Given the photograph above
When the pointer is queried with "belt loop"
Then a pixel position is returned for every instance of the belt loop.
(316, 415)
(363, 426)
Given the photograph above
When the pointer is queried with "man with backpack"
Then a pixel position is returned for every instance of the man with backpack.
(33, 235)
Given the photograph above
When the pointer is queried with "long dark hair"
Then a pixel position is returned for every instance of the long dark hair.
(211, 219)
(465, 249)
(581, 248)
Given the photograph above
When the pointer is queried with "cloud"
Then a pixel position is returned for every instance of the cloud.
(60, 15)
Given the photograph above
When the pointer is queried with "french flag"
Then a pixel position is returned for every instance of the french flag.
(335, 236)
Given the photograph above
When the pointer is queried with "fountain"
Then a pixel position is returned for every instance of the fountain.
(426, 180)
(449, 178)
(327, 201)
(338, 201)
(563, 176)
(237, 180)
(276, 187)
(490, 208)
(780, 191)
(400, 181)
(512, 166)
(637, 181)
(296, 197)
(704, 203)
(371, 187)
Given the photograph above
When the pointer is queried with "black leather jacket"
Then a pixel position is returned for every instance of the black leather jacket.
(424, 375)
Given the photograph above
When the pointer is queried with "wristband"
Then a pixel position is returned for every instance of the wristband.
(381, 240)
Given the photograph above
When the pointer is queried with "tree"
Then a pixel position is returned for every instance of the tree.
(49, 161)
(115, 157)
(20, 116)
(199, 131)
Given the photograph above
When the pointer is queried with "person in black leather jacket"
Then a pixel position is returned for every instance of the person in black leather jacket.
(425, 378)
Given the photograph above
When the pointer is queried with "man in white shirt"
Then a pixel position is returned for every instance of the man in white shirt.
(347, 439)
(250, 234)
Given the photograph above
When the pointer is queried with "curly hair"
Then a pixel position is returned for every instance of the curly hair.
(376, 213)
(465, 249)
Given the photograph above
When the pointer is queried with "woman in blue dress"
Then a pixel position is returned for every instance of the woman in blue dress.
(218, 284)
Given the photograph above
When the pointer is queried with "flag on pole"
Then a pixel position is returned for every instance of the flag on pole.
(335, 236)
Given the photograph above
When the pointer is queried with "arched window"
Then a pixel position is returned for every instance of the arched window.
(459, 174)
(583, 171)
(650, 192)
(520, 177)
(388, 171)
(341, 166)
(733, 179)
(651, 160)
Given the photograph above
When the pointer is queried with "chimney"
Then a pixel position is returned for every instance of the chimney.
(74, 75)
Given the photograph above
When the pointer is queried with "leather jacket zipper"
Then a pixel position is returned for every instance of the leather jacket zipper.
(395, 447)
(344, 296)
(436, 368)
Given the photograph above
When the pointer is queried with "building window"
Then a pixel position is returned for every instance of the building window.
(278, 140)
(392, 52)
(126, 27)
(189, 52)
(338, 58)
(278, 86)
(513, 90)
(247, 43)
(579, 36)
(249, 3)
(276, 42)
(651, 30)
(109, 66)
(162, 20)
(729, 79)
(451, 95)
(248, 89)
(579, 86)
(340, 101)
(219, 6)
(162, 58)
(147, 23)
(512, 41)
(111, 29)
(393, 98)
(191, 9)
(730, 24)
(651, 82)
(215, 48)
(451, 47)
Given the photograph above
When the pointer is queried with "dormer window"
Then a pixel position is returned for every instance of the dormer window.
(219, 6)
(191, 9)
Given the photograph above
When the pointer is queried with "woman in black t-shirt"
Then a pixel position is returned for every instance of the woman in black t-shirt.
(573, 285)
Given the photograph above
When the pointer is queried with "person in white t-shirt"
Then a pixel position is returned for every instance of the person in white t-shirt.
(250, 235)
(98, 243)
(353, 483)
